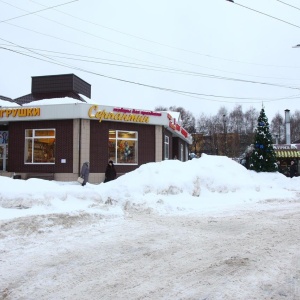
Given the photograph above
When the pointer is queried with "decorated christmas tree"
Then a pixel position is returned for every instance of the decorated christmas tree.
(263, 158)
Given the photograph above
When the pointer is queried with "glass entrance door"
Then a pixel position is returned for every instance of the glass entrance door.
(3, 157)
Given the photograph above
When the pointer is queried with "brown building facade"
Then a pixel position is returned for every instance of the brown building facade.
(39, 139)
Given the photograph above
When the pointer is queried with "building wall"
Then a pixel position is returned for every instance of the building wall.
(71, 153)
(99, 133)
(76, 139)
(63, 146)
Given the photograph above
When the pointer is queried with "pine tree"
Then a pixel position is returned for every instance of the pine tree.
(263, 158)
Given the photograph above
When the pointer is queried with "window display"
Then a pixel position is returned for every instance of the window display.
(39, 146)
(122, 147)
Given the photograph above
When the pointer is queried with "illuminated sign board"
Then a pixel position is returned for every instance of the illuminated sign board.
(176, 127)
(19, 112)
(122, 114)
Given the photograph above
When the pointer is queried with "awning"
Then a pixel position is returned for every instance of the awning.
(287, 153)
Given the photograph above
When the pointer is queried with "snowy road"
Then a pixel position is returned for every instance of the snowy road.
(253, 254)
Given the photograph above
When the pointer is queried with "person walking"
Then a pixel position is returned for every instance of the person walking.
(293, 169)
(110, 172)
(85, 172)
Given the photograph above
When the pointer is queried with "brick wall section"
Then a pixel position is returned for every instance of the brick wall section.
(63, 146)
(99, 144)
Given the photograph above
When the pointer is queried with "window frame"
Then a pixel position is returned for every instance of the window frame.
(117, 140)
(32, 139)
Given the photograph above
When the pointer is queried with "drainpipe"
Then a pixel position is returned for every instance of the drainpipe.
(287, 127)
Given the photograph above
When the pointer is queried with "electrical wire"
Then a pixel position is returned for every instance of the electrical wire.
(145, 65)
(119, 44)
(265, 14)
(288, 4)
(219, 70)
(34, 12)
(127, 56)
(186, 93)
(154, 42)
(207, 76)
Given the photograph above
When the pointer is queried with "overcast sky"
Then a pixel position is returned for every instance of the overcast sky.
(198, 54)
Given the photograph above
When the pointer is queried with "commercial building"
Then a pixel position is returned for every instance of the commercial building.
(52, 131)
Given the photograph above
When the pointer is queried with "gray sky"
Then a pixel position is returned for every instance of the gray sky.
(220, 53)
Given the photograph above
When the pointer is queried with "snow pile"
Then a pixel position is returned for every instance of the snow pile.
(198, 185)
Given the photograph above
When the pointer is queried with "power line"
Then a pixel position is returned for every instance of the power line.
(181, 61)
(155, 42)
(44, 34)
(153, 65)
(190, 73)
(288, 4)
(133, 82)
(34, 12)
(264, 14)
(117, 43)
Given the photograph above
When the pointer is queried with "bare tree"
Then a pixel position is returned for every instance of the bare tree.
(295, 126)
(201, 124)
(229, 132)
(236, 118)
(277, 128)
(250, 118)
(161, 108)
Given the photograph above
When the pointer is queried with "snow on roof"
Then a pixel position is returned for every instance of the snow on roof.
(4, 103)
(66, 100)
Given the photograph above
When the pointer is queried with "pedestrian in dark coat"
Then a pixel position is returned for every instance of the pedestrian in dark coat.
(85, 172)
(110, 172)
(293, 169)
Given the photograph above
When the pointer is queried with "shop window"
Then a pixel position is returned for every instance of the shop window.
(167, 147)
(39, 146)
(123, 146)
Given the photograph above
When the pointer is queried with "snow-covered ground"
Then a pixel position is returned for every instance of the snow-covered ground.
(203, 229)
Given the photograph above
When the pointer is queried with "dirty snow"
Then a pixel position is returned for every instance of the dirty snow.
(203, 229)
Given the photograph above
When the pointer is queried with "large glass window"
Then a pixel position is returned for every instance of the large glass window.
(123, 147)
(39, 146)
(167, 146)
